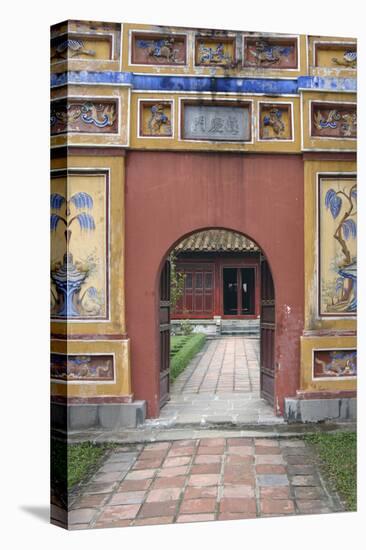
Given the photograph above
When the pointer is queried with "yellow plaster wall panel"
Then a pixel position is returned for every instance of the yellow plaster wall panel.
(80, 244)
(86, 45)
(328, 363)
(332, 56)
(177, 141)
(329, 121)
(328, 303)
(87, 256)
(337, 230)
(90, 115)
(90, 368)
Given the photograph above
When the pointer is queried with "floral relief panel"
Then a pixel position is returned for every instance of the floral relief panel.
(337, 246)
(79, 246)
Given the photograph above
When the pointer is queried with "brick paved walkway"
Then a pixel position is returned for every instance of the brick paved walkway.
(202, 480)
(229, 364)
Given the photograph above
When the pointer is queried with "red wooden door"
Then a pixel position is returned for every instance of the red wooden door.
(267, 334)
(164, 320)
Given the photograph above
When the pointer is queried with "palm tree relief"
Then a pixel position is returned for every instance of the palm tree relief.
(342, 207)
(69, 276)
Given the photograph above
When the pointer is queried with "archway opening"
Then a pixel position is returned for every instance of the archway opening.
(217, 298)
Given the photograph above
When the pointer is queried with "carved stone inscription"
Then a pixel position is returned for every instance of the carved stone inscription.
(213, 122)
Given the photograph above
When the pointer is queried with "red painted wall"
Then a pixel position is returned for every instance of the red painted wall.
(172, 194)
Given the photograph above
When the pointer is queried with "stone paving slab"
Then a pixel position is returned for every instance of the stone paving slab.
(218, 478)
(220, 385)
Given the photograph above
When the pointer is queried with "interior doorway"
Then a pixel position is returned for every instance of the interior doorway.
(239, 291)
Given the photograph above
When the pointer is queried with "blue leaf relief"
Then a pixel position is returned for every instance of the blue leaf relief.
(86, 221)
(82, 200)
(349, 229)
(57, 201)
(330, 193)
(354, 193)
(333, 202)
(55, 218)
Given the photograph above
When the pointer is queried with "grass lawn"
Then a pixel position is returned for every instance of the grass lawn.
(70, 464)
(182, 350)
(338, 461)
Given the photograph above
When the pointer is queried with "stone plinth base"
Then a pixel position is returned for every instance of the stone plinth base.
(107, 416)
(320, 410)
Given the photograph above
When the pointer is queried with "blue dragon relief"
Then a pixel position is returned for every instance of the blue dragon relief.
(344, 293)
(69, 276)
(97, 114)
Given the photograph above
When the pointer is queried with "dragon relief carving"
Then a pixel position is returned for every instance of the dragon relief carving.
(345, 122)
(100, 115)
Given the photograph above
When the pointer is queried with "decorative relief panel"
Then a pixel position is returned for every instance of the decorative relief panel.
(85, 43)
(81, 115)
(334, 363)
(216, 122)
(156, 119)
(76, 46)
(158, 49)
(273, 52)
(79, 246)
(275, 121)
(215, 52)
(82, 368)
(335, 55)
(334, 120)
(337, 246)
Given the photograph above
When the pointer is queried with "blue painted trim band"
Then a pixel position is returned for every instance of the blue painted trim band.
(327, 83)
(207, 84)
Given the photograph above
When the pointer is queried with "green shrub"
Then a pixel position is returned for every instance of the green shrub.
(183, 349)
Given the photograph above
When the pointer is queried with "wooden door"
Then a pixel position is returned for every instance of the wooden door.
(267, 334)
(164, 321)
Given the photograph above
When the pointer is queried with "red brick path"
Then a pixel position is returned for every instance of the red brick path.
(202, 480)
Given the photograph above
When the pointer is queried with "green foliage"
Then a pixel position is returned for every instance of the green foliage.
(176, 282)
(186, 327)
(338, 456)
(71, 464)
(183, 349)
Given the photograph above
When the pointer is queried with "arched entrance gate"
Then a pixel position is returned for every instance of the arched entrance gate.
(267, 332)
(170, 195)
